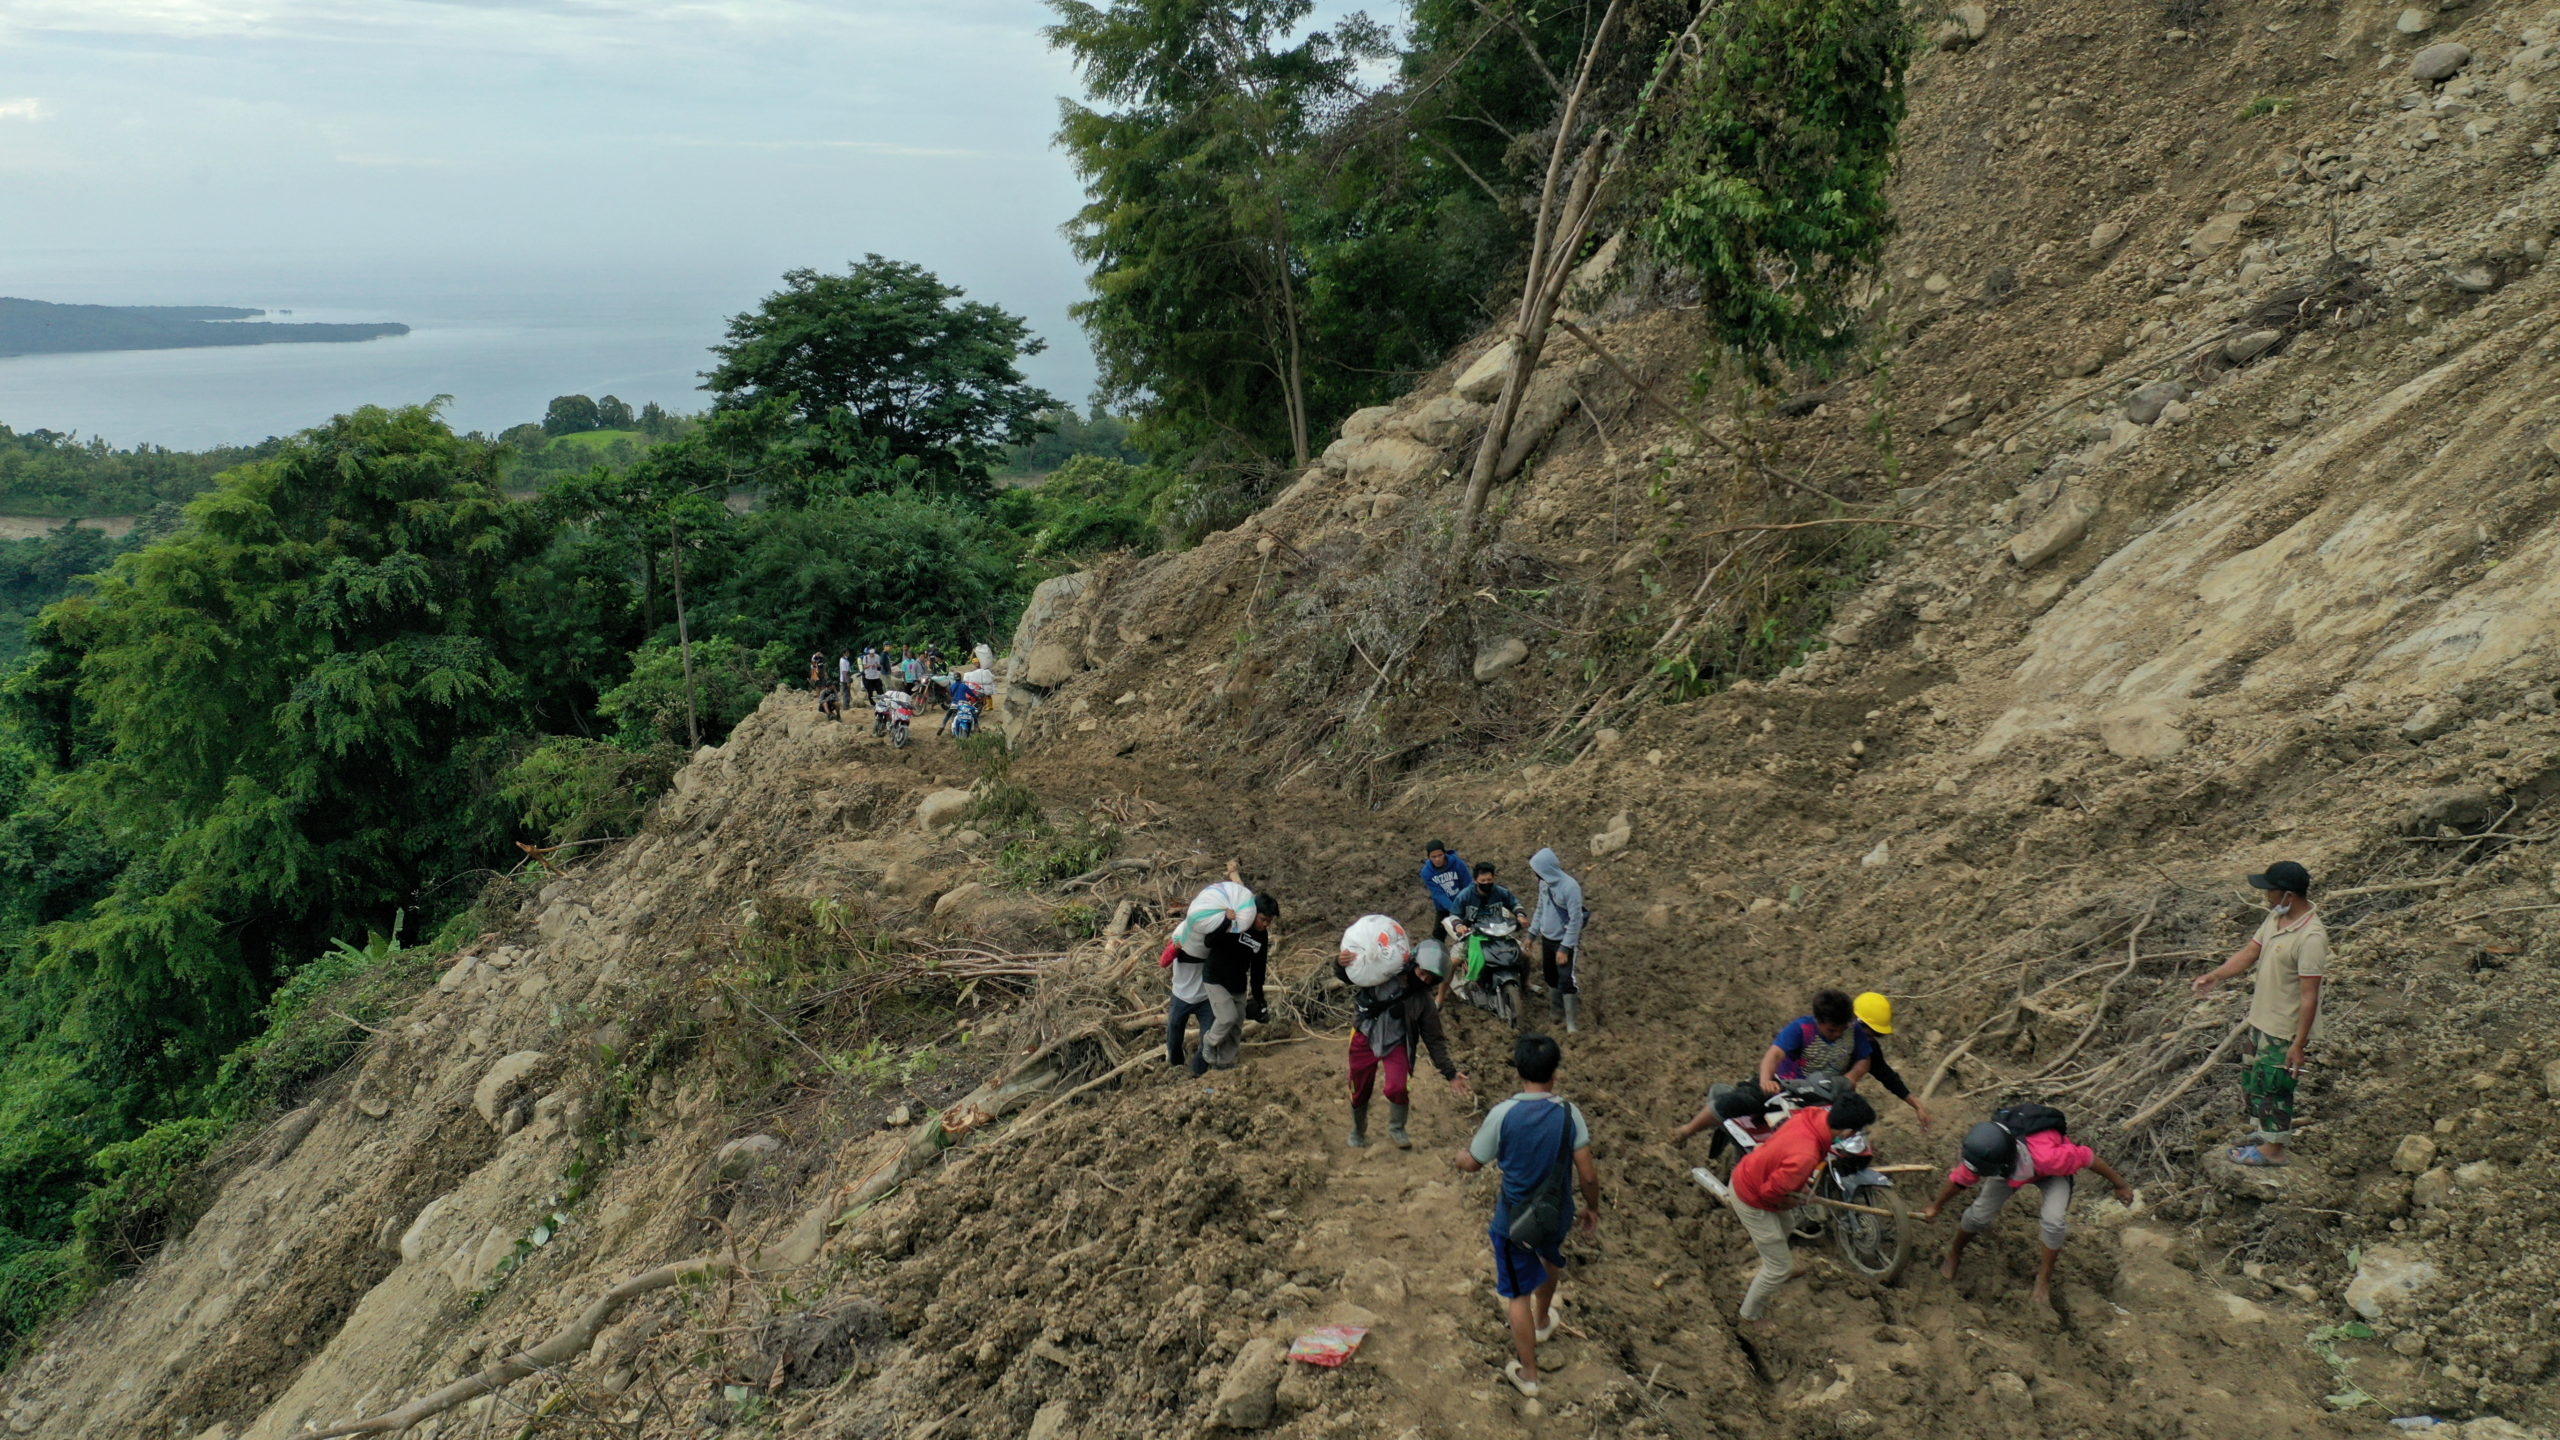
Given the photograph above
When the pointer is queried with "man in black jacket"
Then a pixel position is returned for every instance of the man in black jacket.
(1239, 963)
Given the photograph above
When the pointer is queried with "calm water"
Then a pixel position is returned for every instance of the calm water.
(500, 343)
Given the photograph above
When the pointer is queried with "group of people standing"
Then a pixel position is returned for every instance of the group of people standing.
(1541, 1143)
(901, 675)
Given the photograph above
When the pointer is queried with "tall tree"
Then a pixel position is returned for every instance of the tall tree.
(569, 415)
(886, 364)
(613, 413)
(1198, 314)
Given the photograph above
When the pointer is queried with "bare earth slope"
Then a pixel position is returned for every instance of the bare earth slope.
(2299, 606)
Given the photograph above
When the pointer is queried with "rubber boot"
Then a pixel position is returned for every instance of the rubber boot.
(1555, 1003)
(1359, 1124)
(1573, 1014)
(1396, 1116)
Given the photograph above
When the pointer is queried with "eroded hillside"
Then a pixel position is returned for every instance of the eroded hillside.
(2226, 412)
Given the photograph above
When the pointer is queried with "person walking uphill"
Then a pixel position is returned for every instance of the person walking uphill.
(1206, 938)
(1557, 922)
(1541, 1143)
(1774, 1179)
(2291, 953)
(2020, 1146)
(1386, 1020)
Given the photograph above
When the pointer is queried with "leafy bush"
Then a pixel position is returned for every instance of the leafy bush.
(148, 1187)
(730, 681)
(314, 1020)
(1048, 855)
(37, 1282)
(573, 789)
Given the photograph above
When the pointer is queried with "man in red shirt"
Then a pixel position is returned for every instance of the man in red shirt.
(1773, 1179)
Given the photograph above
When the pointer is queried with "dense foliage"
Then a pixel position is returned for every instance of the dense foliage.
(46, 473)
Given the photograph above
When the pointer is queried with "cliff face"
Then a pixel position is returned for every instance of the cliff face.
(2224, 390)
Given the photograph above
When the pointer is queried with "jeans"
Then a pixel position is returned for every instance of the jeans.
(1224, 1043)
(1177, 1024)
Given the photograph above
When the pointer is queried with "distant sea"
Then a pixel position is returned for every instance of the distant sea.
(501, 341)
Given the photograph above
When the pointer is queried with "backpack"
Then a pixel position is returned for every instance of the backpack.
(1539, 1223)
(2030, 1119)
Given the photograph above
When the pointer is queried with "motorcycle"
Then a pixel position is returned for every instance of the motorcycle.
(1874, 1237)
(1497, 969)
(964, 717)
(902, 713)
(879, 714)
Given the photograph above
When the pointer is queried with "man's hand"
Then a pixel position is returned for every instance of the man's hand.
(2124, 1194)
(1235, 871)
(1795, 1200)
(1929, 1216)
(1770, 1087)
(2293, 1058)
(1458, 1083)
(2206, 981)
(1927, 1121)
(1588, 1222)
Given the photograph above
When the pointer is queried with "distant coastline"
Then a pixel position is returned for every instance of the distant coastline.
(37, 327)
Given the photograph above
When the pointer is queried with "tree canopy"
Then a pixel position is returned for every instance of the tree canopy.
(885, 364)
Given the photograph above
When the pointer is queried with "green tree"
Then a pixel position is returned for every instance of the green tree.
(613, 413)
(1198, 306)
(569, 415)
(885, 364)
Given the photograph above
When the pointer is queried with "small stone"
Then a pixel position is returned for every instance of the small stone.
(1937, 283)
(1946, 787)
(1975, 19)
(1049, 1422)
(2144, 405)
(2440, 61)
(2551, 1079)
(2414, 21)
(2417, 1154)
(2478, 278)
(2386, 1277)
(2060, 528)
(2477, 1175)
(1498, 658)
(2104, 237)
(2241, 349)
(2431, 1189)
(1880, 856)
(742, 1155)
(900, 1116)
(2409, 1343)
(943, 807)
(1614, 839)
(1607, 740)
(2388, 1195)
(966, 838)
(2217, 234)
(1247, 1399)
(2429, 721)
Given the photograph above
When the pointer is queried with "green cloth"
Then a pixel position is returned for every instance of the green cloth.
(2267, 1087)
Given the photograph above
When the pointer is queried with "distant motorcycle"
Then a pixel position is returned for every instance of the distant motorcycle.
(901, 709)
(964, 715)
(1876, 1245)
(1497, 971)
(880, 714)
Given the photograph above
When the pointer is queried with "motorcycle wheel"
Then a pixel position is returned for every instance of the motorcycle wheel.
(898, 736)
(1874, 1245)
(1515, 1006)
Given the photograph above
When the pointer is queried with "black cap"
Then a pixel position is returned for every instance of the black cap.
(1435, 845)
(2283, 875)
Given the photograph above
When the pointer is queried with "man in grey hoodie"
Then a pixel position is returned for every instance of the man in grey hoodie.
(1557, 923)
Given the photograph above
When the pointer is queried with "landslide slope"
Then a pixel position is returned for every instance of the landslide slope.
(2296, 606)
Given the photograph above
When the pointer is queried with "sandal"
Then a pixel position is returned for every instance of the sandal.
(2254, 1158)
(1527, 1387)
(1555, 1317)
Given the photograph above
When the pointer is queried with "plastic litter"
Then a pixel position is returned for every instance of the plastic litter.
(2416, 1422)
(1330, 1346)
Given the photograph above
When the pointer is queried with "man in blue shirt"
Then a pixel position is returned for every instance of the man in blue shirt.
(1526, 1137)
(1445, 877)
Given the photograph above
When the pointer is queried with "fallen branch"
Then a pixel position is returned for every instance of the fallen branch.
(1638, 384)
(1809, 524)
(559, 1350)
(2393, 887)
(2098, 1007)
(2150, 1112)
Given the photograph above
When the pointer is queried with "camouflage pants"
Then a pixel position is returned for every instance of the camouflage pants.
(2266, 1086)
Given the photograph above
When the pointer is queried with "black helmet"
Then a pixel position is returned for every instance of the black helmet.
(1989, 1150)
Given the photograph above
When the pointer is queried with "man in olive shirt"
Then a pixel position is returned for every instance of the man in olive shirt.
(2291, 953)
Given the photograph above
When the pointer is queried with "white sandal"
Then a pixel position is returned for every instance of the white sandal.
(1555, 1317)
(1511, 1372)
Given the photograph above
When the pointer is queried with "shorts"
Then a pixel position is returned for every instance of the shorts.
(1519, 1270)
(871, 685)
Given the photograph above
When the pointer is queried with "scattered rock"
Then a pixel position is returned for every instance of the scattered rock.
(1052, 663)
(2387, 1277)
(2440, 61)
(1442, 419)
(740, 1156)
(1937, 283)
(2477, 278)
(2217, 234)
(1303, 1388)
(2103, 238)
(2414, 21)
(943, 807)
(1615, 838)
(2551, 1079)
(2431, 1189)
(900, 1116)
(2060, 528)
(2416, 1155)
(1499, 658)
(1049, 1422)
(1248, 1397)
(2429, 721)
(960, 897)
(2477, 1175)
(2144, 405)
(499, 1084)
(1965, 25)
(1482, 381)
(2243, 348)
(1364, 423)
(2455, 805)
(2387, 1195)
(2146, 731)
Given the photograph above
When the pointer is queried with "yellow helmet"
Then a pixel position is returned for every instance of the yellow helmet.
(1875, 1012)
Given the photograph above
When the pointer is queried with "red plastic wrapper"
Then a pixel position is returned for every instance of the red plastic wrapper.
(1330, 1347)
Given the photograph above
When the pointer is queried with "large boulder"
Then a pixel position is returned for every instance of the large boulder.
(1050, 600)
(1248, 1399)
(501, 1082)
(1481, 382)
(1390, 461)
(2060, 528)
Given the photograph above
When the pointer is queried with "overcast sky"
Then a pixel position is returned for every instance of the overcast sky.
(725, 137)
